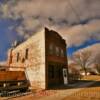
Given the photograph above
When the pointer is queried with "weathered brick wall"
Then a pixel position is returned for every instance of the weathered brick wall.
(57, 41)
(35, 64)
(56, 59)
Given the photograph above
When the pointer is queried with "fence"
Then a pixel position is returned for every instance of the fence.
(74, 77)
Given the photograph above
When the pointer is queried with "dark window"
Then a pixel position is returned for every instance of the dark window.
(51, 49)
(58, 71)
(17, 57)
(26, 54)
(51, 71)
(57, 51)
(23, 60)
(62, 53)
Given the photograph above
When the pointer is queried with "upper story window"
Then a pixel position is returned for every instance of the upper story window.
(57, 51)
(51, 49)
(17, 56)
(26, 53)
(62, 53)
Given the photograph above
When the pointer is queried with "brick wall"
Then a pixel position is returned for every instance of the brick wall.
(34, 65)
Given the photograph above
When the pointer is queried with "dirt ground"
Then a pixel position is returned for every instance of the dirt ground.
(92, 92)
(89, 93)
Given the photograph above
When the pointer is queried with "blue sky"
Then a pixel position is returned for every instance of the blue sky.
(7, 36)
(73, 49)
(19, 19)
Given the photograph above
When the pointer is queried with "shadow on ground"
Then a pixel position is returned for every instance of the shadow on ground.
(76, 85)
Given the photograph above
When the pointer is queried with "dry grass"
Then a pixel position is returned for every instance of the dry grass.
(92, 77)
(86, 94)
(89, 93)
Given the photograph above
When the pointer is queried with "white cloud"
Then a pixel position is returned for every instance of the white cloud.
(81, 33)
(58, 14)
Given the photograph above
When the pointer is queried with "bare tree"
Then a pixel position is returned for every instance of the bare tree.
(97, 62)
(82, 58)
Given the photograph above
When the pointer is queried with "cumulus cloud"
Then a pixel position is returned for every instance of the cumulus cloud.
(77, 20)
(78, 34)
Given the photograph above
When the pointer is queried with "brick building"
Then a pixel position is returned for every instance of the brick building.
(42, 57)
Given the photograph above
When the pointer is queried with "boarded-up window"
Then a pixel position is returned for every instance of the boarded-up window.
(62, 53)
(26, 54)
(57, 51)
(17, 56)
(51, 49)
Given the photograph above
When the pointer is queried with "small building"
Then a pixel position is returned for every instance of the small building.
(43, 57)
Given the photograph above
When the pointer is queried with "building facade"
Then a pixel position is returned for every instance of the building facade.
(43, 58)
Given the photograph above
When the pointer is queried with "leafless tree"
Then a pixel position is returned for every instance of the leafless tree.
(97, 62)
(82, 58)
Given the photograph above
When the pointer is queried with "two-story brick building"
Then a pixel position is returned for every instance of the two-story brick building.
(43, 58)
